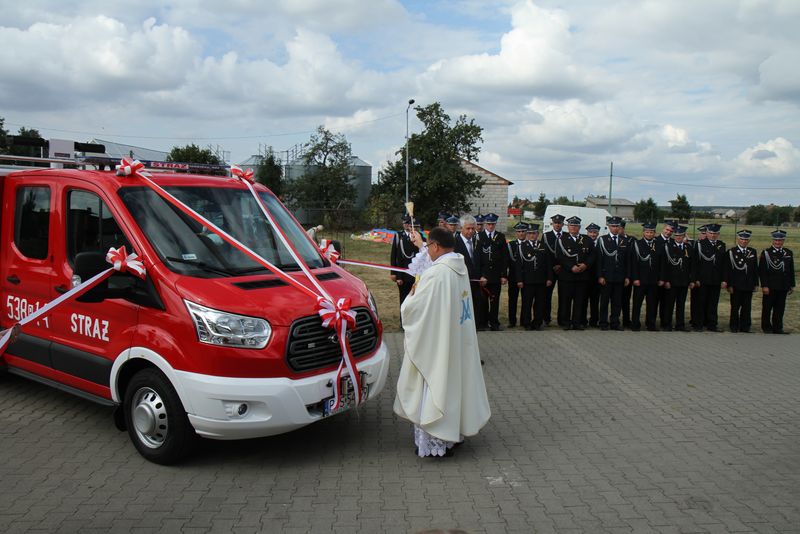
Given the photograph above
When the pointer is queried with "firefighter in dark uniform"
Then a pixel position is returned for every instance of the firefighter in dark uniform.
(710, 266)
(677, 277)
(534, 276)
(451, 223)
(612, 273)
(479, 223)
(645, 272)
(549, 241)
(627, 291)
(776, 272)
(403, 251)
(591, 306)
(694, 295)
(493, 252)
(575, 255)
(513, 258)
(441, 219)
(740, 278)
(663, 239)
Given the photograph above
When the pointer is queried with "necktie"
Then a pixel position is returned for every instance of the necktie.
(469, 247)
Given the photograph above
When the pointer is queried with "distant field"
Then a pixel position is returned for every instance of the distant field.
(386, 294)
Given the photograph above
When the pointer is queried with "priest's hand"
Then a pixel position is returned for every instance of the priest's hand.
(416, 238)
(413, 289)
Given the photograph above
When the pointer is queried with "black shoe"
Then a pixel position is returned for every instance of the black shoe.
(495, 328)
(682, 329)
(512, 325)
(666, 329)
(617, 328)
(784, 332)
(748, 331)
(698, 329)
(713, 329)
(579, 327)
(652, 329)
(539, 328)
(566, 327)
(734, 330)
(604, 328)
(636, 328)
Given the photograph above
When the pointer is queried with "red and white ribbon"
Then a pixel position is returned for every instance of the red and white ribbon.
(239, 172)
(327, 249)
(339, 317)
(130, 167)
(372, 265)
(119, 262)
(123, 262)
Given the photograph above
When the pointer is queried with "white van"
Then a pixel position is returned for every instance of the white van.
(587, 215)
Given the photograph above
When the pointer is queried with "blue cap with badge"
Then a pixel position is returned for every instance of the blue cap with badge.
(452, 220)
(490, 218)
(574, 221)
(479, 218)
(713, 228)
(744, 234)
(778, 234)
(557, 218)
(592, 226)
(521, 226)
(649, 226)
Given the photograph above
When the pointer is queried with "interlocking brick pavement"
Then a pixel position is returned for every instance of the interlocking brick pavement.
(590, 432)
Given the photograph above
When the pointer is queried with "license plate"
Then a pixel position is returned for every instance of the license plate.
(347, 394)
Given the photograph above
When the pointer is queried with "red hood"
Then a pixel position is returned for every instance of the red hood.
(279, 304)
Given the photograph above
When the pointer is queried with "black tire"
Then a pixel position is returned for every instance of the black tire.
(164, 434)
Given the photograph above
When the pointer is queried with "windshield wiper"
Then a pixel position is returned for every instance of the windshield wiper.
(203, 266)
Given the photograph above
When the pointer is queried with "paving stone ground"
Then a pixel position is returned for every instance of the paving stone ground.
(590, 432)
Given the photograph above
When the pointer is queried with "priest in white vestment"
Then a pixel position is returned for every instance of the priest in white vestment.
(440, 388)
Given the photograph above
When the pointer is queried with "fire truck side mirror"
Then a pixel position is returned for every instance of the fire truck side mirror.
(88, 264)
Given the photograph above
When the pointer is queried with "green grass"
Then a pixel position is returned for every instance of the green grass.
(388, 300)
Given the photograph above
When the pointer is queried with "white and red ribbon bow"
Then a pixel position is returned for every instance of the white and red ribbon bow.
(326, 247)
(238, 171)
(129, 167)
(123, 262)
(333, 315)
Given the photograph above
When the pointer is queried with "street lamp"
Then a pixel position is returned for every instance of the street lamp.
(410, 103)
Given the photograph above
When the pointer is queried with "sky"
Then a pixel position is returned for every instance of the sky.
(692, 97)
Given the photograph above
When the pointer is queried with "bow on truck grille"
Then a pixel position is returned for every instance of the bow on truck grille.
(312, 346)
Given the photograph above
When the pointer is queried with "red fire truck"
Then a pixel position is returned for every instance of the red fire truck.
(210, 343)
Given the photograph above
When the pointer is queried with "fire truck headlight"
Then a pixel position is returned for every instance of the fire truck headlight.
(228, 329)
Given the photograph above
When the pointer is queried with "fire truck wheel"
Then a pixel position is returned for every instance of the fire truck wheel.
(156, 419)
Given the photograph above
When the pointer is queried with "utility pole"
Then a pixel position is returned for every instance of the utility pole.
(610, 181)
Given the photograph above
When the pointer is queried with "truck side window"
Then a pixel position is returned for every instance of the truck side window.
(90, 226)
(32, 221)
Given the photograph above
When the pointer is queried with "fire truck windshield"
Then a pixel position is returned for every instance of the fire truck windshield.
(189, 248)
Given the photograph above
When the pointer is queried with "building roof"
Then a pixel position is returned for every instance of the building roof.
(119, 150)
(477, 169)
(614, 201)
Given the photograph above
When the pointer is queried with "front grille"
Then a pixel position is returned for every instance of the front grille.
(311, 346)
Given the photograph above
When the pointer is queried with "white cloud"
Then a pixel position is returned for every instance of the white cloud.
(774, 158)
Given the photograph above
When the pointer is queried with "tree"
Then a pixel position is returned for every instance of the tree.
(438, 182)
(193, 154)
(270, 173)
(796, 215)
(3, 134)
(18, 148)
(646, 211)
(756, 214)
(565, 201)
(326, 182)
(680, 208)
(540, 205)
(777, 215)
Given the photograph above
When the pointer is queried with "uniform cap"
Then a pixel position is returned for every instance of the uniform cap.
(490, 218)
(406, 219)
(557, 218)
(671, 223)
(442, 216)
(702, 229)
(713, 228)
(680, 230)
(521, 226)
(744, 234)
(479, 218)
(533, 227)
(452, 220)
(574, 220)
(649, 226)
(593, 226)
(622, 223)
(778, 234)
(614, 221)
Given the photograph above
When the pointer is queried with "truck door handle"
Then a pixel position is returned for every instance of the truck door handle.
(14, 279)
(61, 289)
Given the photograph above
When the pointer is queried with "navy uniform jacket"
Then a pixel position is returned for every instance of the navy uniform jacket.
(710, 260)
(677, 266)
(494, 256)
(534, 265)
(645, 264)
(612, 259)
(403, 251)
(571, 252)
(474, 264)
(776, 269)
(550, 242)
(741, 268)
(513, 259)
